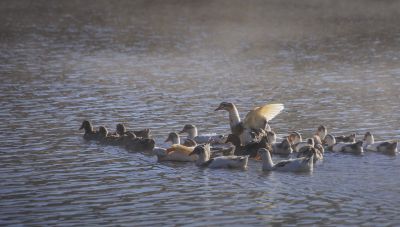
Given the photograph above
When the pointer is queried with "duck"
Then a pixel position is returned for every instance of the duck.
(295, 138)
(320, 134)
(385, 147)
(227, 162)
(121, 130)
(308, 150)
(90, 133)
(298, 146)
(174, 138)
(329, 141)
(282, 148)
(107, 138)
(176, 152)
(249, 149)
(191, 130)
(352, 147)
(133, 143)
(255, 119)
(303, 164)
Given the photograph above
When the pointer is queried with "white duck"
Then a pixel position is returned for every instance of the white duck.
(257, 118)
(204, 160)
(386, 147)
(191, 130)
(304, 164)
(354, 148)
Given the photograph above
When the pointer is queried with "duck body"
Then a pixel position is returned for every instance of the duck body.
(346, 139)
(282, 148)
(354, 148)
(204, 160)
(178, 153)
(303, 164)
(90, 133)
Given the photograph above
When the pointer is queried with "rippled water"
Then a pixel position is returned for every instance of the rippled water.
(160, 65)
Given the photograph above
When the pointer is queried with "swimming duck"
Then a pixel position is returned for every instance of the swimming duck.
(295, 138)
(308, 150)
(191, 130)
(145, 133)
(352, 147)
(107, 138)
(298, 146)
(346, 139)
(90, 133)
(176, 152)
(204, 160)
(255, 119)
(174, 138)
(133, 143)
(385, 147)
(303, 164)
(282, 148)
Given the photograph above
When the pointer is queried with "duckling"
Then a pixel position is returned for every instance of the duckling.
(145, 133)
(385, 147)
(174, 138)
(346, 139)
(108, 139)
(90, 133)
(354, 148)
(303, 164)
(176, 152)
(308, 150)
(282, 148)
(255, 119)
(191, 130)
(204, 160)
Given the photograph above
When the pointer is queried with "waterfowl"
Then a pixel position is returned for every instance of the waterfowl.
(174, 138)
(303, 164)
(255, 119)
(282, 148)
(133, 143)
(249, 149)
(298, 146)
(346, 139)
(354, 148)
(191, 130)
(320, 134)
(295, 138)
(204, 160)
(385, 147)
(107, 138)
(121, 130)
(176, 152)
(329, 141)
(90, 133)
(308, 150)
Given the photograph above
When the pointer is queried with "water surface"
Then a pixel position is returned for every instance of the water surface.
(160, 65)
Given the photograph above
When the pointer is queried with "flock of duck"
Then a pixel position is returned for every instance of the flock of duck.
(251, 137)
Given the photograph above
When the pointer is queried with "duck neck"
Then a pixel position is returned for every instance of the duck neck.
(267, 161)
(234, 118)
(203, 157)
(176, 140)
(192, 133)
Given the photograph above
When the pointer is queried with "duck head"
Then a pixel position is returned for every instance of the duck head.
(87, 126)
(190, 129)
(329, 140)
(227, 106)
(369, 138)
(174, 138)
(121, 130)
(103, 132)
(203, 152)
(322, 131)
(295, 137)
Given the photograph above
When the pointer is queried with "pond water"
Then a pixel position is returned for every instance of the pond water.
(163, 64)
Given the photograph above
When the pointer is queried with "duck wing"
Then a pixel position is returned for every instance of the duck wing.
(259, 116)
(282, 163)
(180, 148)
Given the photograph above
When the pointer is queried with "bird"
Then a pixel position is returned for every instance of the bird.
(191, 130)
(303, 164)
(90, 133)
(386, 147)
(255, 119)
(230, 162)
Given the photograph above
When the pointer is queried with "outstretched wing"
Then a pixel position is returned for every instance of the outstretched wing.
(259, 116)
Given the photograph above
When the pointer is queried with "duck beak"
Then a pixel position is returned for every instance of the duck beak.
(219, 108)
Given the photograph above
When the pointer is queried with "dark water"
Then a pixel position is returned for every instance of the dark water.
(162, 64)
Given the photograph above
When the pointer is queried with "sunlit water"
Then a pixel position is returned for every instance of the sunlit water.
(161, 69)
